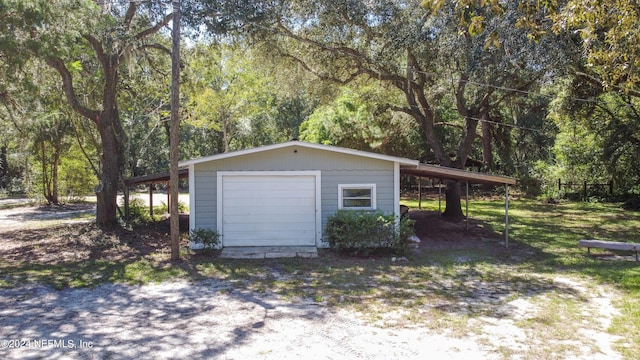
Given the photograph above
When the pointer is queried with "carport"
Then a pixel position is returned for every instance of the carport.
(151, 180)
(466, 177)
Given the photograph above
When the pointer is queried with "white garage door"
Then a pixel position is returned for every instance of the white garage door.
(268, 210)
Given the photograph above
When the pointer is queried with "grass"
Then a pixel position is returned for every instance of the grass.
(451, 289)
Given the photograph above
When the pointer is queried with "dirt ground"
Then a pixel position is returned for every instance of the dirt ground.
(214, 319)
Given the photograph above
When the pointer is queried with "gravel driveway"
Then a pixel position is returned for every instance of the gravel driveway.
(216, 319)
(209, 319)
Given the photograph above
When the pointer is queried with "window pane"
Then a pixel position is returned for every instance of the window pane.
(365, 203)
(350, 193)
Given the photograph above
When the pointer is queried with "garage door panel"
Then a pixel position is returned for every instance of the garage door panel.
(295, 220)
(250, 207)
(292, 198)
(269, 235)
(281, 242)
(268, 210)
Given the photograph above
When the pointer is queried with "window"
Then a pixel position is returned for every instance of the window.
(357, 196)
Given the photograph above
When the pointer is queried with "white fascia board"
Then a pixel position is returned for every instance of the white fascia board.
(395, 159)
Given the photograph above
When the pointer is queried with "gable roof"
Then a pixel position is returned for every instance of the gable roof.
(407, 166)
(336, 149)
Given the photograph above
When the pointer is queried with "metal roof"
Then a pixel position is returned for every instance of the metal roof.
(443, 172)
(155, 178)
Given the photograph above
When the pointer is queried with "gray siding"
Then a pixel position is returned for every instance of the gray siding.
(335, 169)
(206, 196)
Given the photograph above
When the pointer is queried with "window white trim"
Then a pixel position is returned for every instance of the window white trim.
(341, 198)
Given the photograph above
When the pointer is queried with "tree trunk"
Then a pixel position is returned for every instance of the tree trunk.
(46, 184)
(112, 158)
(54, 176)
(453, 209)
(487, 151)
(175, 136)
(4, 167)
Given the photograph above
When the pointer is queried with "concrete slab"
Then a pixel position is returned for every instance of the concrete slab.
(269, 252)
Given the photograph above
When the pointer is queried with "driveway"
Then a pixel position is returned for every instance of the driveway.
(30, 216)
(209, 319)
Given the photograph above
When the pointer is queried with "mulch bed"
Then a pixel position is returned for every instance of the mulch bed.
(436, 232)
(87, 241)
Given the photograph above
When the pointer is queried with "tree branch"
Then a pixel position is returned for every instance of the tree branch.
(442, 123)
(69, 91)
(131, 12)
(323, 77)
(154, 29)
(143, 34)
(401, 109)
(460, 102)
(160, 47)
(97, 47)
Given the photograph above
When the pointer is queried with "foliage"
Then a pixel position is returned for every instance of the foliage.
(428, 58)
(610, 39)
(182, 208)
(538, 90)
(87, 44)
(225, 91)
(138, 213)
(363, 232)
(208, 238)
(598, 137)
(76, 177)
(358, 119)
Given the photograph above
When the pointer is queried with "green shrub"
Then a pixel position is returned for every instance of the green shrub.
(207, 237)
(164, 208)
(138, 212)
(364, 232)
(530, 186)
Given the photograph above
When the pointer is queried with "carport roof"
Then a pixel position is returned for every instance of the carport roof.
(154, 178)
(442, 172)
(407, 166)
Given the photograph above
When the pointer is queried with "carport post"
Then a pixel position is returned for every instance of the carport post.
(440, 197)
(506, 215)
(467, 205)
(127, 210)
(151, 200)
(420, 192)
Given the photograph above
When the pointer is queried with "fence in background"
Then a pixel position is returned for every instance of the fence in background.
(585, 188)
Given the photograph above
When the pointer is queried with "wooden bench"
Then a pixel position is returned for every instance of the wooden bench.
(612, 245)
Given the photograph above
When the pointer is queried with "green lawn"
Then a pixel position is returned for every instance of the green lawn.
(448, 288)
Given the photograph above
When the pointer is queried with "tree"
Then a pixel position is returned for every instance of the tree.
(70, 36)
(427, 56)
(51, 141)
(599, 136)
(358, 119)
(226, 89)
(175, 136)
(610, 38)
